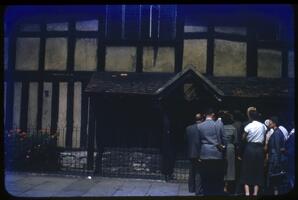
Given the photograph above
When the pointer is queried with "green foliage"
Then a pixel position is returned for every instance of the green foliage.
(35, 150)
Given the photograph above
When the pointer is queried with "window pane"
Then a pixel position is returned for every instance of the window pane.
(89, 25)
(229, 58)
(232, 30)
(195, 53)
(269, 63)
(57, 26)
(85, 55)
(121, 59)
(165, 59)
(27, 50)
(193, 29)
(56, 54)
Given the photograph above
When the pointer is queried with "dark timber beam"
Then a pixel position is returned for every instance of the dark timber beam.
(91, 134)
(24, 105)
(41, 66)
(84, 116)
(70, 86)
(101, 46)
(55, 106)
(210, 50)
(179, 39)
(9, 78)
(285, 63)
(252, 52)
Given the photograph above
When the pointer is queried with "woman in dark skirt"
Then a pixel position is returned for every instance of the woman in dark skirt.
(276, 157)
(252, 172)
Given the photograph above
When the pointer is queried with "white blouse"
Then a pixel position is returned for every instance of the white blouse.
(255, 131)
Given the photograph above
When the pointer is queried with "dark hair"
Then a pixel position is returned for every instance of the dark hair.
(238, 116)
(253, 115)
(209, 111)
(275, 120)
(221, 113)
(227, 118)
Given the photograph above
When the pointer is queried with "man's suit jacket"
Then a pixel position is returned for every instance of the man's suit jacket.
(210, 137)
(193, 141)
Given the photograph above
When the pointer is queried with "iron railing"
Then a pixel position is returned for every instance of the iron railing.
(45, 151)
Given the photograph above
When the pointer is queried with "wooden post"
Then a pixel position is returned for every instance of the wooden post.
(100, 106)
(91, 134)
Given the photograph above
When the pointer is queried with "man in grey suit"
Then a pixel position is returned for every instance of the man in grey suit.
(194, 178)
(211, 155)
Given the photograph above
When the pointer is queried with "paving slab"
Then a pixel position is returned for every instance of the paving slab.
(163, 189)
(183, 190)
(105, 187)
(33, 180)
(133, 188)
(55, 184)
(38, 193)
(77, 188)
(14, 177)
(15, 193)
(17, 188)
(68, 194)
(35, 185)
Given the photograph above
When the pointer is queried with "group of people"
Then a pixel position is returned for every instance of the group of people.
(233, 155)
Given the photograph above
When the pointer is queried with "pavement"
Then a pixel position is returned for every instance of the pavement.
(46, 185)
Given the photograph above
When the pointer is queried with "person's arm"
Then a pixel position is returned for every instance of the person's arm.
(266, 141)
(221, 137)
(244, 135)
